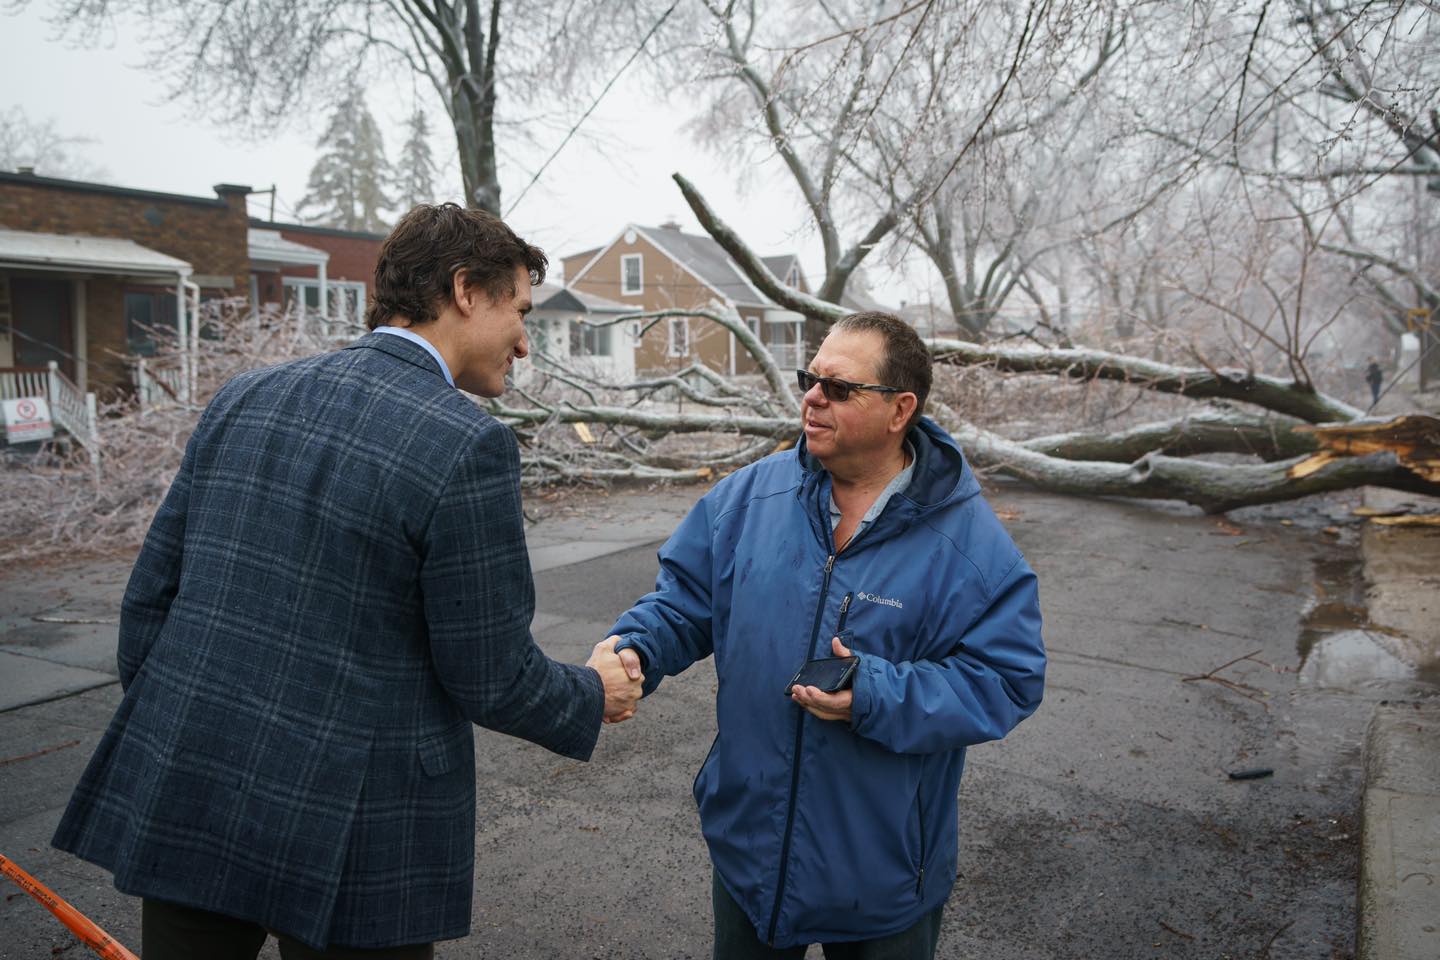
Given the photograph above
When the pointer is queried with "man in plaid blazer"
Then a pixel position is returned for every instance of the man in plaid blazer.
(333, 591)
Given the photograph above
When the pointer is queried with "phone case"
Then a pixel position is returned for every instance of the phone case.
(830, 674)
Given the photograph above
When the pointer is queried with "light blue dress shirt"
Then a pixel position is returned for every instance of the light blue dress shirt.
(415, 338)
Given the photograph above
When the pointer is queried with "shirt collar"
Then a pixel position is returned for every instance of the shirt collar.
(897, 484)
(415, 338)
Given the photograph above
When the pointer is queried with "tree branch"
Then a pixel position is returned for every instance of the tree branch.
(1272, 393)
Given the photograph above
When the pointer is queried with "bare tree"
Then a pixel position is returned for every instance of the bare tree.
(253, 64)
(39, 144)
(859, 111)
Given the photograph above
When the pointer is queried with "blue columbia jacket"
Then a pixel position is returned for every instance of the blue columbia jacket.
(824, 832)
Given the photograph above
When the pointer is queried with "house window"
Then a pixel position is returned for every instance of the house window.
(589, 341)
(145, 313)
(631, 273)
(347, 297)
(679, 337)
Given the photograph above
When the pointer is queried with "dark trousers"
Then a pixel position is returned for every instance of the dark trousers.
(171, 932)
(735, 937)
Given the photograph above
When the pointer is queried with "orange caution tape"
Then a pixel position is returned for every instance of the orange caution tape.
(79, 924)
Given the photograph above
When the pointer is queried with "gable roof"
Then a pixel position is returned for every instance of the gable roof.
(700, 256)
(709, 261)
(780, 265)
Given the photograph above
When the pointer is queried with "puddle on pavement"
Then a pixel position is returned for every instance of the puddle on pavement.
(1340, 647)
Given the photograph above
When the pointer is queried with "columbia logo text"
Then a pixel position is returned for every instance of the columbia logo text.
(888, 601)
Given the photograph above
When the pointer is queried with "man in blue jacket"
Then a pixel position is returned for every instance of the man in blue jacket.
(333, 591)
(831, 817)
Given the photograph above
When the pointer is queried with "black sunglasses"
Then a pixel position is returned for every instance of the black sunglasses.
(837, 391)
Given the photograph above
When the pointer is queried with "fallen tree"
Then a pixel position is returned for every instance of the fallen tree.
(1152, 460)
(1155, 460)
(1214, 487)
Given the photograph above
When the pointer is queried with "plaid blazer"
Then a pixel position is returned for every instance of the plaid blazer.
(334, 589)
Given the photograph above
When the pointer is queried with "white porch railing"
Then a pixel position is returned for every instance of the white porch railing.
(788, 356)
(17, 382)
(157, 385)
(70, 409)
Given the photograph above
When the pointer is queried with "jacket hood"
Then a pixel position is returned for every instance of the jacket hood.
(942, 476)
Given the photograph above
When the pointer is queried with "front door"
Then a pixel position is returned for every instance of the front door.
(43, 323)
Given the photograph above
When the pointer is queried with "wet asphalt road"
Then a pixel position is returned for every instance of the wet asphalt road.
(1105, 826)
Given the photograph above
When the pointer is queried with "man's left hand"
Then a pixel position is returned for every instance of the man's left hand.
(826, 706)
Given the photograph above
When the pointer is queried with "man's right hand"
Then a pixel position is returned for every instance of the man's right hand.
(622, 681)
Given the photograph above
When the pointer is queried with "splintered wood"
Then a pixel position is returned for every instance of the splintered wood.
(1414, 439)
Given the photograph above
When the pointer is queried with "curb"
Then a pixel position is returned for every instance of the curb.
(1398, 902)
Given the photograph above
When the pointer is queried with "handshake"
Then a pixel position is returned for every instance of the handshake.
(622, 677)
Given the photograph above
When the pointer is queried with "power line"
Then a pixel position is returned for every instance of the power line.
(591, 109)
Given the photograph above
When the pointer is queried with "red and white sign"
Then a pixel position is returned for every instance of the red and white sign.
(27, 420)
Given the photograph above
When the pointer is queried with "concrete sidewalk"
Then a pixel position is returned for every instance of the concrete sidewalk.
(1399, 898)
(1398, 904)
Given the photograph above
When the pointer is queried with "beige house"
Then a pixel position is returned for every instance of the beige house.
(660, 268)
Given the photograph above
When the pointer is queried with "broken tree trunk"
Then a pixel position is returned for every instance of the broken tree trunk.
(1214, 487)
(1209, 431)
(1414, 440)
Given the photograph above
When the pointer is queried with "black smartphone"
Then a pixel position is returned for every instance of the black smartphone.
(830, 674)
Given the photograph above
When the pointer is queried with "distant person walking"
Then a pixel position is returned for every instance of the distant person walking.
(1373, 376)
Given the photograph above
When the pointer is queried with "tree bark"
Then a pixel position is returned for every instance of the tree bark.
(1214, 487)
(662, 423)
(1286, 397)
(751, 265)
(1211, 431)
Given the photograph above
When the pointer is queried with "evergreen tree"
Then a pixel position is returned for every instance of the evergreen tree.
(347, 183)
(415, 171)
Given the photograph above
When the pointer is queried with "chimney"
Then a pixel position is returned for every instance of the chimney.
(234, 195)
(671, 224)
(27, 171)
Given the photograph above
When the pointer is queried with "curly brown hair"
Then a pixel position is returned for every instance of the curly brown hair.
(428, 246)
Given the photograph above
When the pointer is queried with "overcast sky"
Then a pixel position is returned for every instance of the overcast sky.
(583, 200)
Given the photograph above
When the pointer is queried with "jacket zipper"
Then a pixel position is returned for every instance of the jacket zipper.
(844, 612)
(920, 812)
(795, 762)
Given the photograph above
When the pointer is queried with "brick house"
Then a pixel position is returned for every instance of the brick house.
(656, 268)
(347, 270)
(88, 270)
(88, 266)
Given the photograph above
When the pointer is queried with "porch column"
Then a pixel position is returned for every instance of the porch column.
(324, 295)
(182, 334)
(82, 350)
